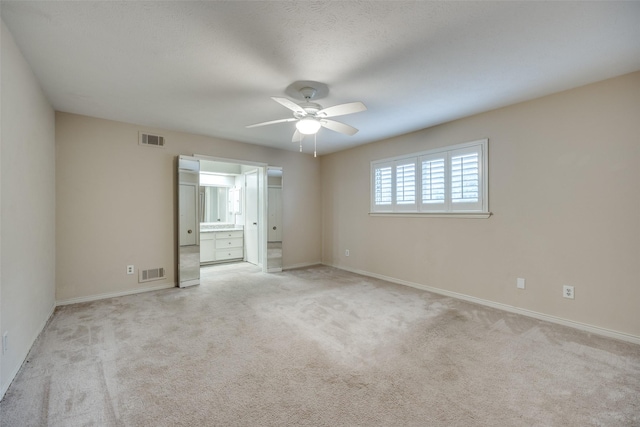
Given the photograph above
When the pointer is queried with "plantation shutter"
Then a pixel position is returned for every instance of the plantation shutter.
(445, 180)
(433, 182)
(382, 187)
(405, 184)
(466, 185)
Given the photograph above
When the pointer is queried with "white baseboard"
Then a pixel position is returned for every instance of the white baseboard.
(500, 306)
(115, 294)
(23, 357)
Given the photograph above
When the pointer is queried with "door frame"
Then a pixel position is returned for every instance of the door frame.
(262, 204)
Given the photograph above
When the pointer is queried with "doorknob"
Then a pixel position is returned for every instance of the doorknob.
(189, 231)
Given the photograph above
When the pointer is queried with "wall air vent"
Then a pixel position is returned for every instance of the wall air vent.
(151, 274)
(151, 140)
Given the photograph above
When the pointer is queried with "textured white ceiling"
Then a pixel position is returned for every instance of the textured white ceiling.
(210, 67)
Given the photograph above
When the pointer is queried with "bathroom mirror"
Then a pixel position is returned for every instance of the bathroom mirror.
(215, 204)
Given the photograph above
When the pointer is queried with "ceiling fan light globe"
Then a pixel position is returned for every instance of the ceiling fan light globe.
(308, 126)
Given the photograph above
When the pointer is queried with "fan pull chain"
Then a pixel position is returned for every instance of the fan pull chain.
(301, 136)
(315, 138)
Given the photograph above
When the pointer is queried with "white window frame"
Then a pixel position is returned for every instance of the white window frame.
(477, 209)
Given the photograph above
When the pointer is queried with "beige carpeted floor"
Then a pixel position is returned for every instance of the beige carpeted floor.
(316, 347)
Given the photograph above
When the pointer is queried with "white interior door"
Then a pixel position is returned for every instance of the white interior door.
(252, 215)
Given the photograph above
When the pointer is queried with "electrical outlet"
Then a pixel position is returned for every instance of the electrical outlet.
(130, 269)
(567, 292)
(520, 283)
(346, 252)
(5, 342)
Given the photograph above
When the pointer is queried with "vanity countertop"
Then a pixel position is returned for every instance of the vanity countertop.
(215, 228)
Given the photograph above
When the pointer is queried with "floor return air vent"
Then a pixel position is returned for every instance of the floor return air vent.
(151, 274)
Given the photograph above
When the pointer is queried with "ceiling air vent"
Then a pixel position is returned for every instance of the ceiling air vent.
(151, 274)
(152, 140)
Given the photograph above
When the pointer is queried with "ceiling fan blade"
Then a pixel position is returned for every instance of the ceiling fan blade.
(289, 104)
(272, 122)
(338, 127)
(297, 136)
(342, 109)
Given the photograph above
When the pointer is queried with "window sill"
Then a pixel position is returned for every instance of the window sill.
(469, 215)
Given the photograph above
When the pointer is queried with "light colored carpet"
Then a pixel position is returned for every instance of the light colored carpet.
(316, 347)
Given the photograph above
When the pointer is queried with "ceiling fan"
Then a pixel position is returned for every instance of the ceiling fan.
(310, 116)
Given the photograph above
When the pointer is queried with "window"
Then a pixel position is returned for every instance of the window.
(447, 180)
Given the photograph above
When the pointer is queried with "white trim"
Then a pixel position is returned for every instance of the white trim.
(480, 215)
(12, 374)
(225, 160)
(505, 307)
(114, 294)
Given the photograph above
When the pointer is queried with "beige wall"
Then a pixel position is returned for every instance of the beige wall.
(564, 191)
(116, 203)
(28, 209)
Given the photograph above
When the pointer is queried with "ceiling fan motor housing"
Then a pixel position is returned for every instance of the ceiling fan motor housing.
(308, 92)
(310, 108)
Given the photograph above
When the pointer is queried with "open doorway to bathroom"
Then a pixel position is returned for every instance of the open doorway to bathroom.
(230, 214)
